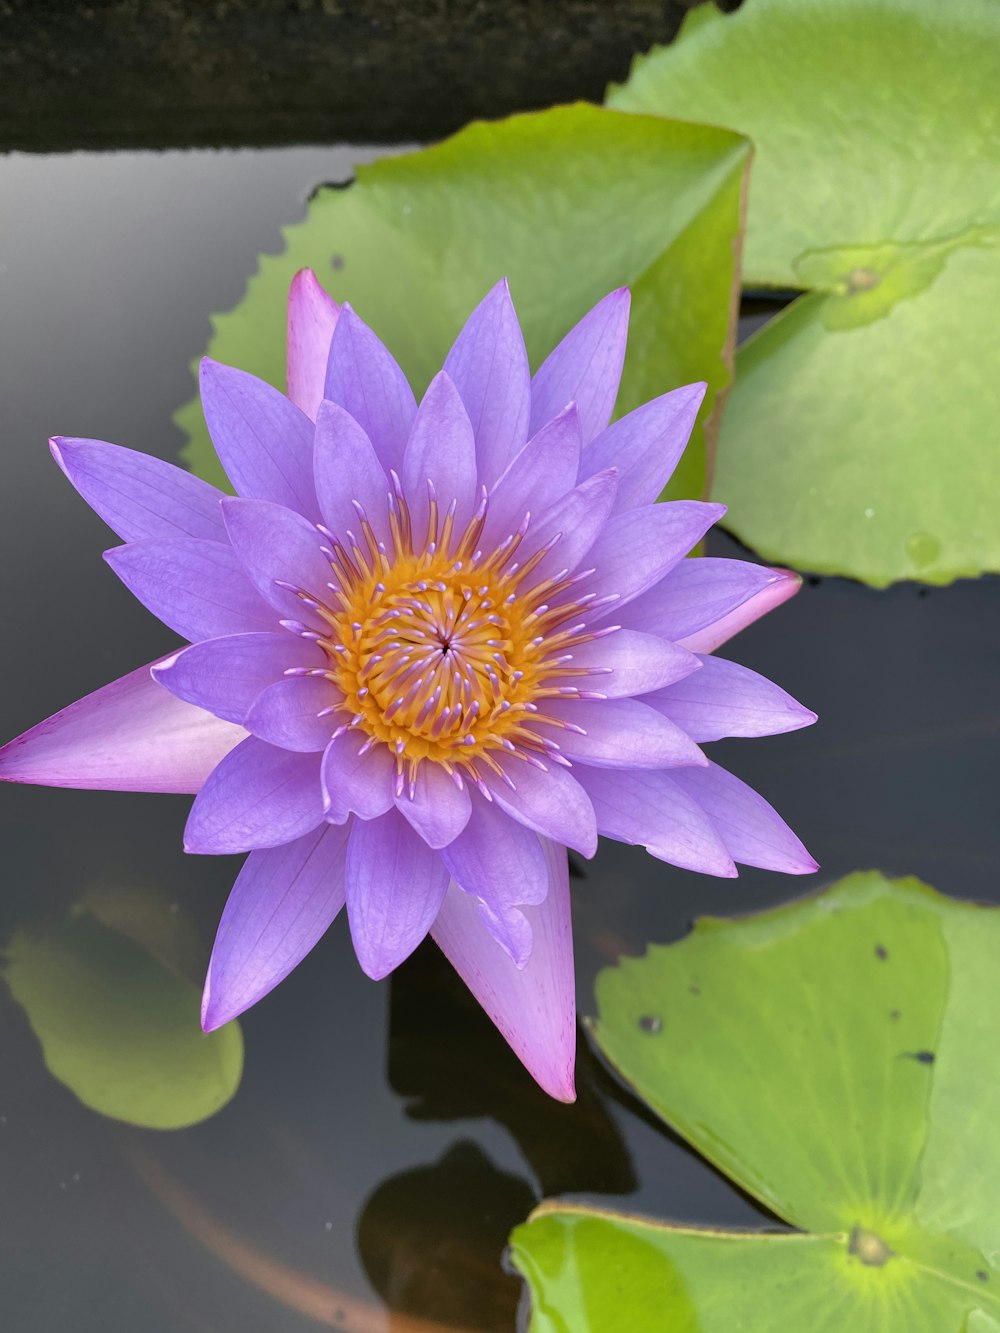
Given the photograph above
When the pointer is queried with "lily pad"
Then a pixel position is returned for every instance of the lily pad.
(118, 1025)
(836, 1058)
(569, 204)
(861, 434)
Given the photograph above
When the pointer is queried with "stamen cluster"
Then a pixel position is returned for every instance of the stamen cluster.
(446, 651)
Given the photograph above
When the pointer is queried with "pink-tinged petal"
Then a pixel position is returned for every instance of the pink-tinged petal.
(696, 594)
(364, 379)
(282, 903)
(754, 833)
(226, 675)
(198, 588)
(638, 547)
(585, 368)
(649, 809)
(395, 887)
(725, 699)
(348, 471)
(713, 636)
(501, 863)
(539, 477)
(552, 803)
(645, 446)
(534, 1007)
(572, 525)
(441, 450)
(355, 782)
(489, 366)
(312, 318)
(258, 796)
(139, 496)
(627, 663)
(436, 806)
(292, 713)
(131, 735)
(620, 733)
(280, 551)
(263, 440)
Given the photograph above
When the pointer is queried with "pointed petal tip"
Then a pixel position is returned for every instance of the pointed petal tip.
(561, 1089)
(808, 865)
(215, 1014)
(58, 446)
(306, 277)
(372, 970)
(782, 575)
(210, 1018)
(694, 392)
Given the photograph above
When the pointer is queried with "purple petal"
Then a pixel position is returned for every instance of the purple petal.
(645, 446)
(131, 735)
(441, 449)
(276, 547)
(697, 593)
(725, 699)
(226, 675)
(348, 470)
(585, 368)
(364, 379)
(534, 1007)
(552, 803)
(356, 783)
(291, 714)
(620, 733)
(312, 318)
(627, 663)
(650, 810)
(139, 496)
(436, 806)
(263, 441)
(712, 636)
(489, 367)
(638, 547)
(198, 588)
(282, 903)
(573, 524)
(501, 863)
(754, 833)
(258, 796)
(540, 475)
(395, 887)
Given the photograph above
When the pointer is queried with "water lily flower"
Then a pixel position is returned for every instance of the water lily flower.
(431, 647)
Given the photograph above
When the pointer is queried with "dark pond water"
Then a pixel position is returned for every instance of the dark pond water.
(383, 1141)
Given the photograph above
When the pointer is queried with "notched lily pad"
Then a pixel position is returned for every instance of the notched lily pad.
(837, 1059)
(117, 1021)
(569, 204)
(861, 434)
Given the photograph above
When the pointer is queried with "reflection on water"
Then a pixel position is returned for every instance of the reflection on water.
(431, 1249)
(382, 1138)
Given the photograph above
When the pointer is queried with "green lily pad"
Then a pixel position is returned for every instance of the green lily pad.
(117, 1023)
(836, 1058)
(569, 204)
(861, 435)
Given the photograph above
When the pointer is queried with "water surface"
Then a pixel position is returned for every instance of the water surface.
(383, 1140)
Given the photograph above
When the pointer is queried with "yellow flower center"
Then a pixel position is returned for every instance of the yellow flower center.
(444, 652)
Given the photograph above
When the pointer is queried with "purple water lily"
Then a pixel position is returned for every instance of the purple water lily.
(432, 647)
